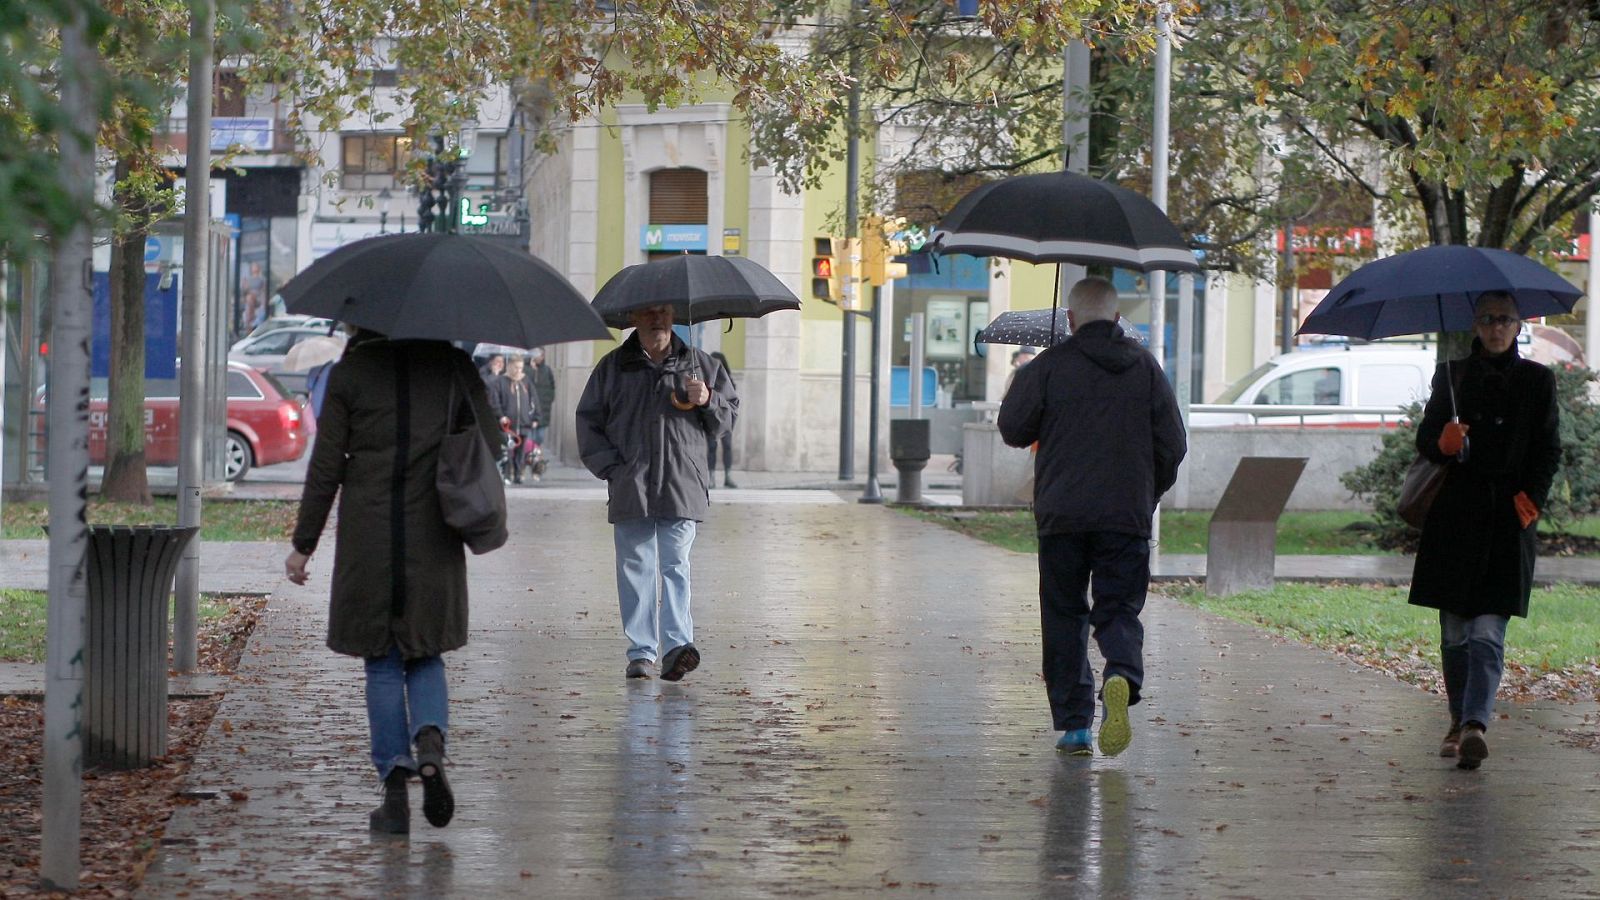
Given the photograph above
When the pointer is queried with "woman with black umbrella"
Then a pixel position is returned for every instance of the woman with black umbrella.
(1475, 563)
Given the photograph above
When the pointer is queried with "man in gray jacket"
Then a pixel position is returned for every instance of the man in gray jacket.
(1110, 440)
(647, 416)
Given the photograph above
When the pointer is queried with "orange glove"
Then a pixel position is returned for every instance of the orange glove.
(1526, 511)
(1453, 438)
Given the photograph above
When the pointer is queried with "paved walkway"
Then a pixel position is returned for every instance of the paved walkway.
(868, 718)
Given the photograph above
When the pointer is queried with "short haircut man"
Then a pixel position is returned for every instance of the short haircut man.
(1109, 442)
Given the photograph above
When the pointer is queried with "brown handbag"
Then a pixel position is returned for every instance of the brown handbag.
(1426, 477)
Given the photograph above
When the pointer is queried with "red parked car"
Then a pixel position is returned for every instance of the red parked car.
(266, 425)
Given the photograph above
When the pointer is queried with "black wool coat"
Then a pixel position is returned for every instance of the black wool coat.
(1475, 557)
(399, 570)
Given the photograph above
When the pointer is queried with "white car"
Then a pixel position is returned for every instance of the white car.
(1372, 376)
(266, 351)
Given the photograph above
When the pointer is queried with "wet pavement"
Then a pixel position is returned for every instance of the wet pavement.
(869, 717)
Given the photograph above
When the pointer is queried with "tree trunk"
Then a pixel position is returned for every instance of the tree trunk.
(126, 478)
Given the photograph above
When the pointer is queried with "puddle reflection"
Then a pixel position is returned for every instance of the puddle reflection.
(1088, 838)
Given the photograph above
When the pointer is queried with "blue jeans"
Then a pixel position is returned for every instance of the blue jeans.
(1120, 568)
(654, 551)
(403, 697)
(1472, 650)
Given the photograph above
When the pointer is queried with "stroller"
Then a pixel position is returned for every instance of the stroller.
(532, 455)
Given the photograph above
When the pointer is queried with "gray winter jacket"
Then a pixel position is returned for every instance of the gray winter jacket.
(1110, 437)
(651, 454)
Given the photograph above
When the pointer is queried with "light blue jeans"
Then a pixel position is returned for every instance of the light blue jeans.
(653, 583)
(1472, 650)
(403, 697)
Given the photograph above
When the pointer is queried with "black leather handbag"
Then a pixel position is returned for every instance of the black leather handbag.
(471, 491)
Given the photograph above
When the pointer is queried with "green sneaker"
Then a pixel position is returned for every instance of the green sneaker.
(1115, 734)
(1076, 743)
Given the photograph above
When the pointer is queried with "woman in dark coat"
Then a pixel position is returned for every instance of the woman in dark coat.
(1475, 563)
(399, 594)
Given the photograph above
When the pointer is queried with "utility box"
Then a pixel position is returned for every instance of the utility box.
(1242, 552)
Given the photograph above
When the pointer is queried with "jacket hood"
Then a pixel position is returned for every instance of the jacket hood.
(1106, 346)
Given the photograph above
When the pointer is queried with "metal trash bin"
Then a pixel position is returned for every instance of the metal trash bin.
(125, 657)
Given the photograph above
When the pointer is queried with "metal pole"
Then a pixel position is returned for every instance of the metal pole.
(852, 228)
(68, 471)
(1287, 313)
(196, 316)
(1591, 314)
(917, 337)
(1185, 385)
(1074, 136)
(872, 493)
(1158, 193)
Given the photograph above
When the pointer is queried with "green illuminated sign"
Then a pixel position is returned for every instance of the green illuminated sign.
(468, 217)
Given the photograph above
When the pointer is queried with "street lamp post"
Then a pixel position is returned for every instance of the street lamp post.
(445, 177)
(384, 199)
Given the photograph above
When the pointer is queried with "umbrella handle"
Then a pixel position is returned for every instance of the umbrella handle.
(680, 394)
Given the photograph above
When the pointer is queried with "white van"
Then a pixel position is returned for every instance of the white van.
(1369, 375)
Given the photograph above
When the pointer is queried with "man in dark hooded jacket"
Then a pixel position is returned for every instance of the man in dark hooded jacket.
(1110, 439)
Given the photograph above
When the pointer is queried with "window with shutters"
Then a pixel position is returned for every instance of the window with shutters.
(678, 197)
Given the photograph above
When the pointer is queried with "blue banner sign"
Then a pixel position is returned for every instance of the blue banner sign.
(160, 327)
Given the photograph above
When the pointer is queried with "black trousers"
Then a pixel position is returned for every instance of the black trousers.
(727, 454)
(1117, 569)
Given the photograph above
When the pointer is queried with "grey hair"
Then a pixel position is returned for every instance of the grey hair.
(1093, 300)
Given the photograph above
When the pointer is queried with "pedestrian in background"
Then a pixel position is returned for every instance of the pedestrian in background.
(518, 410)
(1022, 357)
(1479, 542)
(493, 368)
(648, 414)
(727, 438)
(544, 391)
(398, 597)
(1110, 440)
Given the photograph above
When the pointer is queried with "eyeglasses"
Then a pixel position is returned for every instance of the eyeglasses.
(1490, 321)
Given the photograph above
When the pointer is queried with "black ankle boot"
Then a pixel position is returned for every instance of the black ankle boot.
(394, 815)
(438, 804)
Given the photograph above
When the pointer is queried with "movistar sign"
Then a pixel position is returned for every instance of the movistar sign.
(674, 237)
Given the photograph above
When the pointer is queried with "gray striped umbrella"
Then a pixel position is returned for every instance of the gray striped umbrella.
(1063, 217)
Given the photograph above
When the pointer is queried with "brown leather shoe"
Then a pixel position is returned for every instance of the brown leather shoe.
(638, 668)
(1452, 741)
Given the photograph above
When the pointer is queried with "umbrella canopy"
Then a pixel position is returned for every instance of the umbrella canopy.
(1434, 289)
(1064, 217)
(313, 352)
(698, 287)
(1026, 328)
(445, 287)
(1032, 328)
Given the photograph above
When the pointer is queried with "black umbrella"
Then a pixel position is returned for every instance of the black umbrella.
(1026, 328)
(445, 287)
(1435, 289)
(699, 288)
(1034, 328)
(1063, 217)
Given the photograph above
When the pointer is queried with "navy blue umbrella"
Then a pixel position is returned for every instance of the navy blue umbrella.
(1434, 290)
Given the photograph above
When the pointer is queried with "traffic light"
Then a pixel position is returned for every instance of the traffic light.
(872, 256)
(895, 245)
(824, 283)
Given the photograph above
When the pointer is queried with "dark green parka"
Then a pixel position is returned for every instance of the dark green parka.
(399, 572)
